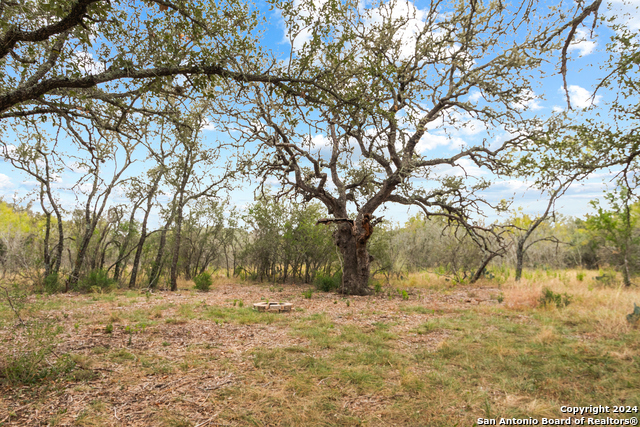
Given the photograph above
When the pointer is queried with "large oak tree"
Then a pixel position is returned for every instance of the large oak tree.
(398, 81)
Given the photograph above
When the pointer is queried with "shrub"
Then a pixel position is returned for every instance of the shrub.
(26, 361)
(606, 277)
(580, 276)
(51, 283)
(327, 283)
(308, 293)
(552, 298)
(377, 287)
(203, 281)
(97, 281)
(634, 317)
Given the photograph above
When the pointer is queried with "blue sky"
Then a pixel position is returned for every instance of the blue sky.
(585, 68)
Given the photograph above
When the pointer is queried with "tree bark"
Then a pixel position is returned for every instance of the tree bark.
(626, 276)
(176, 250)
(60, 246)
(98, 256)
(121, 265)
(156, 267)
(47, 254)
(82, 252)
(519, 258)
(143, 230)
(355, 266)
(47, 234)
(485, 261)
(138, 256)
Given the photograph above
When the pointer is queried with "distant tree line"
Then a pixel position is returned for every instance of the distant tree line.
(106, 98)
(281, 242)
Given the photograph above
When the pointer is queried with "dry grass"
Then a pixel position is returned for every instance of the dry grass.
(602, 308)
(441, 355)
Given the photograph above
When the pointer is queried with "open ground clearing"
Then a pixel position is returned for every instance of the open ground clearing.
(436, 355)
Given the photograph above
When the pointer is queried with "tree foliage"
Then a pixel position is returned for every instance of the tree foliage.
(393, 82)
(618, 227)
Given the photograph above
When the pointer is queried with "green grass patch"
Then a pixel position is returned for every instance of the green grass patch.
(241, 315)
(417, 309)
(121, 356)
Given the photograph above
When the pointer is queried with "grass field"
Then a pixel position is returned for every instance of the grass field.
(433, 355)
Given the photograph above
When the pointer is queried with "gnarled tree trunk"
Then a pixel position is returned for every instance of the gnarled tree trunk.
(351, 237)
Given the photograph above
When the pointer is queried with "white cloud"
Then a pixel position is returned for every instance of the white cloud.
(429, 141)
(78, 168)
(5, 181)
(512, 185)
(463, 167)
(583, 44)
(208, 125)
(557, 109)
(529, 101)
(472, 127)
(256, 125)
(475, 96)
(86, 63)
(273, 182)
(84, 187)
(320, 141)
(407, 33)
(581, 97)
(468, 167)
(304, 34)
(402, 9)
(9, 150)
(624, 12)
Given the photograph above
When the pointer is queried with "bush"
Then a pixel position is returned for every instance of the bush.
(606, 277)
(97, 281)
(52, 283)
(203, 281)
(26, 360)
(634, 317)
(377, 287)
(327, 283)
(552, 298)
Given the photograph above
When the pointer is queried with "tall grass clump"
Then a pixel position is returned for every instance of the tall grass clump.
(549, 298)
(97, 281)
(328, 283)
(52, 283)
(29, 353)
(203, 281)
(27, 358)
